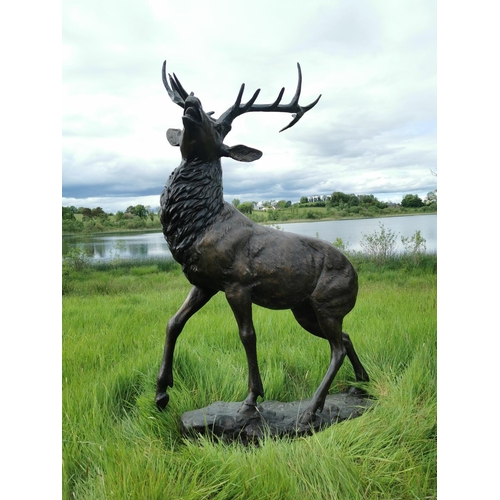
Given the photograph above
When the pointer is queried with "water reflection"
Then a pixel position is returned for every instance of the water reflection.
(119, 245)
(153, 245)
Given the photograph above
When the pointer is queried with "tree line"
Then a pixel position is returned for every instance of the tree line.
(91, 220)
(337, 205)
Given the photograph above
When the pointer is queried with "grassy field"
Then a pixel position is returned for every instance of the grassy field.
(116, 444)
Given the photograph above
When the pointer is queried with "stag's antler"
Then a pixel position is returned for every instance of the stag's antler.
(238, 109)
(178, 94)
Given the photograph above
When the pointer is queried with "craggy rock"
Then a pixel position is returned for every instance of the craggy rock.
(271, 418)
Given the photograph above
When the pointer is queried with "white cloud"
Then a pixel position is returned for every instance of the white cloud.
(374, 64)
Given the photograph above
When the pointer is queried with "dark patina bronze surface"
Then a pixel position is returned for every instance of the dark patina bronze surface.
(221, 250)
(270, 419)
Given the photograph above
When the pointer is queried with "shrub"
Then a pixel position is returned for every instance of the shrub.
(380, 245)
(343, 247)
(72, 226)
(91, 226)
(76, 259)
(414, 245)
(136, 223)
(273, 215)
(312, 215)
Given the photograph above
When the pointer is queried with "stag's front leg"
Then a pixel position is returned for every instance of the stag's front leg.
(240, 300)
(195, 300)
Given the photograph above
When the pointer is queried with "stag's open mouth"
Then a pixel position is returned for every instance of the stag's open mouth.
(192, 113)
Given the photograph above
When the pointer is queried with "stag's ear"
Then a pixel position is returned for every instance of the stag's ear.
(242, 153)
(174, 136)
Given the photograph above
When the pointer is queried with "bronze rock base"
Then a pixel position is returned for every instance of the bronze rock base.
(270, 418)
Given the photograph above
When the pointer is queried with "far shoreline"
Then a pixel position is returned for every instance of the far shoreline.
(326, 219)
(267, 223)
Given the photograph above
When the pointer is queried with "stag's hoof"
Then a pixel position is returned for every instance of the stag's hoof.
(161, 400)
(246, 408)
(307, 417)
(357, 391)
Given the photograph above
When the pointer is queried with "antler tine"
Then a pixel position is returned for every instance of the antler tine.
(178, 86)
(237, 103)
(249, 104)
(237, 108)
(175, 94)
(293, 107)
(295, 99)
(269, 107)
(297, 116)
(310, 106)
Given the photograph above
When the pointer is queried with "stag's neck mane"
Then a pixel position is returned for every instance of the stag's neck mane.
(190, 203)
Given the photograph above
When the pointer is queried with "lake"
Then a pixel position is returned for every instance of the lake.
(152, 245)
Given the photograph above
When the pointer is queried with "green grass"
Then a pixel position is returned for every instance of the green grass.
(116, 444)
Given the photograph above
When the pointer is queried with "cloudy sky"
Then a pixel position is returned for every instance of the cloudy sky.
(372, 132)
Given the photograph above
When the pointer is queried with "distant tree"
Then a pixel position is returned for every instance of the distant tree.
(431, 197)
(367, 199)
(352, 200)
(343, 200)
(86, 212)
(246, 207)
(235, 202)
(338, 199)
(130, 209)
(412, 201)
(72, 226)
(99, 213)
(140, 211)
(118, 216)
(282, 204)
(304, 199)
(68, 213)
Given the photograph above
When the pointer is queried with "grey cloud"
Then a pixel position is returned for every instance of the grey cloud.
(108, 174)
(373, 129)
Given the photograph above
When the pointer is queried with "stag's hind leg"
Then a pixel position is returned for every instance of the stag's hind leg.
(359, 370)
(308, 320)
(331, 328)
(195, 300)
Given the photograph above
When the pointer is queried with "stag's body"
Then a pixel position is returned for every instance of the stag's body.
(281, 270)
(221, 250)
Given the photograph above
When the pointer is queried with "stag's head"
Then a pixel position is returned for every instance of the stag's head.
(203, 136)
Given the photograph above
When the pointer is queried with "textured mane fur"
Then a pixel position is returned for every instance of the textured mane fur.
(190, 202)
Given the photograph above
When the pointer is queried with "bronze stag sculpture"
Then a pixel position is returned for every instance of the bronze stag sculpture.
(221, 250)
